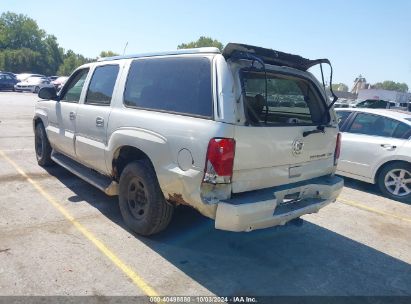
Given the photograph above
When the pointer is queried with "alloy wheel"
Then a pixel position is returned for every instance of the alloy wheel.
(398, 182)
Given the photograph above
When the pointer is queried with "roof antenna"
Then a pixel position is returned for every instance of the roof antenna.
(124, 51)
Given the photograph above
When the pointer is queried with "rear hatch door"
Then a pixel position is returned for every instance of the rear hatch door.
(272, 147)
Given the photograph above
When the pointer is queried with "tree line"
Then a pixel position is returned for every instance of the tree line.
(385, 85)
(24, 47)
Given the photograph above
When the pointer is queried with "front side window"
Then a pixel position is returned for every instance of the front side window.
(180, 85)
(102, 84)
(375, 125)
(342, 117)
(290, 100)
(74, 87)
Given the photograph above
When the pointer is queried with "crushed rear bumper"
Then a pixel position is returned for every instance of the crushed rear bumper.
(277, 205)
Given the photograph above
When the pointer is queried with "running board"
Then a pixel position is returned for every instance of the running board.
(94, 178)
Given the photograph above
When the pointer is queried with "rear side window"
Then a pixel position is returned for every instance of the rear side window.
(102, 84)
(402, 131)
(290, 100)
(180, 85)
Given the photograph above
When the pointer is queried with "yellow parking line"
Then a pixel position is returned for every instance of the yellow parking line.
(137, 280)
(366, 208)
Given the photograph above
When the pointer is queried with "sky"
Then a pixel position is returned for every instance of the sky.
(372, 38)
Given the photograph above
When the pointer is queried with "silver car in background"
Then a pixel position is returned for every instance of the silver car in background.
(376, 148)
(33, 84)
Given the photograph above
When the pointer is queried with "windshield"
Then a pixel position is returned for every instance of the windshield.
(290, 100)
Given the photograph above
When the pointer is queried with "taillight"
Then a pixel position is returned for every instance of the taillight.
(337, 149)
(219, 161)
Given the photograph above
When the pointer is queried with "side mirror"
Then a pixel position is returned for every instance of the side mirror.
(48, 93)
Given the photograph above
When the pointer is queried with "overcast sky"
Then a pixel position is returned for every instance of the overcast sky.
(368, 37)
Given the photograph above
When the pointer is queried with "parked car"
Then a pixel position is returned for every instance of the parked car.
(375, 104)
(12, 75)
(341, 105)
(59, 82)
(180, 128)
(33, 84)
(25, 76)
(52, 78)
(376, 148)
(7, 82)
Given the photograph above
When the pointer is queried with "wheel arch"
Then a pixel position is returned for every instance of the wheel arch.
(387, 163)
(125, 154)
(39, 118)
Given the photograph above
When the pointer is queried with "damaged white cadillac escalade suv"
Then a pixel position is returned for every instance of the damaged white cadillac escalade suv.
(247, 137)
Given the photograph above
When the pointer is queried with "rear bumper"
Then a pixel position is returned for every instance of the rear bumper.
(266, 208)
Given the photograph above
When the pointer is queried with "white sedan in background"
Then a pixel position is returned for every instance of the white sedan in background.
(33, 84)
(376, 148)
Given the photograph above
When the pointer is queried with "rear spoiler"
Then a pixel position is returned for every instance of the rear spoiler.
(237, 51)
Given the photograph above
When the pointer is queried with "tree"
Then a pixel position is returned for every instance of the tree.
(391, 86)
(339, 87)
(202, 42)
(107, 54)
(21, 60)
(24, 47)
(71, 62)
(20, 31)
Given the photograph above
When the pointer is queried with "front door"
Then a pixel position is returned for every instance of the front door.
(367, 142)
(63, 124)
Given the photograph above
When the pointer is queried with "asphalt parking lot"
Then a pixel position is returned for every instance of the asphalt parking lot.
(61, 236)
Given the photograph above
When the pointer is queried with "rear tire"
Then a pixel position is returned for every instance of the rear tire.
(42, 146)
(394, 181)
(36, 89)
(142, 204)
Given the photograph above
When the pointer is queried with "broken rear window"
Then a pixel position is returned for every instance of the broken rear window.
(290, 100)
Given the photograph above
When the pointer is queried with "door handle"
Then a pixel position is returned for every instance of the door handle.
(72, 115)
(388, 146)
(99, 121)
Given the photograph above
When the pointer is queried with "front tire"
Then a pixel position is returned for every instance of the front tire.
(42, 146)
(142, 204)
(394, 181)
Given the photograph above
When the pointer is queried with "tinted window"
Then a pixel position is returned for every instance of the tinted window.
(342, 117)
(402, 131)
(75, 84)
(290, 100)
(373, 125)
(372, 104)
(102, 84)
(181, 85)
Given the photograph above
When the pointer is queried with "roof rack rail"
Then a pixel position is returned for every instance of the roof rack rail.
(203, 50)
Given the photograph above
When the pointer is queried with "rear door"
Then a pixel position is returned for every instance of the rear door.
(93, 115)
(272, 147)
(368, 141)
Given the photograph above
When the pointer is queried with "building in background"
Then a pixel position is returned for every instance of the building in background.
(360, 83)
